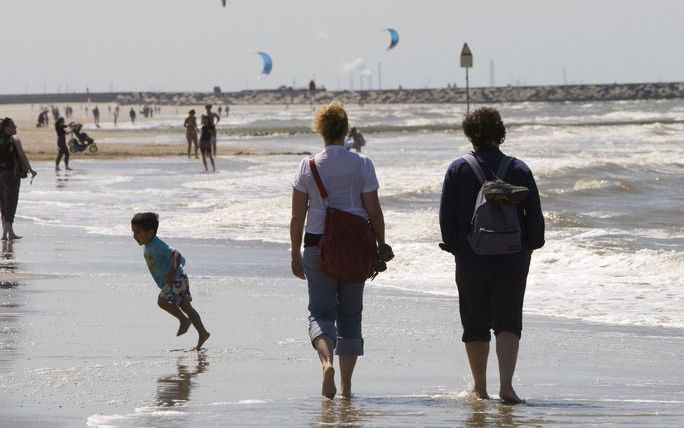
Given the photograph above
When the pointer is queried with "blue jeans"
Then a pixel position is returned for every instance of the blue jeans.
(334, 307)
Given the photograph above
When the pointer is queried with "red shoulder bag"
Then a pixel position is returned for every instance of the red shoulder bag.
(349, 251)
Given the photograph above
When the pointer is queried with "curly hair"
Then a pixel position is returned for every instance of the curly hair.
(484, 127)
(331, 122)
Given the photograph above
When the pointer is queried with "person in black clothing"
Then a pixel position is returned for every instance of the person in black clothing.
(214, 119)
(207, 133)
(491, 288)
(14, 165)
(62, 149)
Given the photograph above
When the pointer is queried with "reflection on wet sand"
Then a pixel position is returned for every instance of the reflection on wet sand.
(62, 180)
(7, 263)
(342, 413)
(175, 389)
(489, 413)
(9, 302)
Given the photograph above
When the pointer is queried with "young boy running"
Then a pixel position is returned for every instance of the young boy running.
(166, 267)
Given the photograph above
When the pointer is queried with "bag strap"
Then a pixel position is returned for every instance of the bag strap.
(317, 177)
(475, 166)
(503, 167)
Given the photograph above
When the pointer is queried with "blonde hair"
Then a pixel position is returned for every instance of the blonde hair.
(331, 121)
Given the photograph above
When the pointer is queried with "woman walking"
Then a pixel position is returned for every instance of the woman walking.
(14, 165)
(62, 149)
(491, 284)
(335, 307)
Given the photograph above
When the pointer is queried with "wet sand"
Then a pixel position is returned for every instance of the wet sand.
(82, 343)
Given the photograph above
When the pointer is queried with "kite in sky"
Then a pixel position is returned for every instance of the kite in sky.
(394, 38)
(268, 64)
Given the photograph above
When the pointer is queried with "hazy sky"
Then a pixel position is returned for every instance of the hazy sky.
(169, 45)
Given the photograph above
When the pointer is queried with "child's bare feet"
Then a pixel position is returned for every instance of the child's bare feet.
(202, 338)
(328, 388)
(183, 327)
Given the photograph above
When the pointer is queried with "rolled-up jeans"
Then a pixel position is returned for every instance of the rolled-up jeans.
(335, 307)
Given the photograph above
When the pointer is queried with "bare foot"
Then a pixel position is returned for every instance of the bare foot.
(328, 388)
(202, 338)
(510, 397)
(183, 327)
(477, 395)
(346, 394)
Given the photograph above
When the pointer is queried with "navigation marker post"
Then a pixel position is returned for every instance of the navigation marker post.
(467, 62)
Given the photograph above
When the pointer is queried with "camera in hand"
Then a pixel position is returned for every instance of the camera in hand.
(385, 253)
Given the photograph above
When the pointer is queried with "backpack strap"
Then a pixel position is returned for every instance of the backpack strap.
(317, 177)
(503, 167)
(475, 166)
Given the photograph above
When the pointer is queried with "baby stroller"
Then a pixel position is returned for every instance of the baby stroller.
(80, 141)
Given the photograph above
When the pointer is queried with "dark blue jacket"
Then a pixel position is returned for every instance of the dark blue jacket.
(459, 192)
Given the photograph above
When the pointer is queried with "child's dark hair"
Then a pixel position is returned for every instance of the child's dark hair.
(148, 221)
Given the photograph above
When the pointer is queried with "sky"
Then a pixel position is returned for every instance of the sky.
(51, 46)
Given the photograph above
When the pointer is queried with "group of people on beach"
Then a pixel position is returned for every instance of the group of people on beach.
(491, 286)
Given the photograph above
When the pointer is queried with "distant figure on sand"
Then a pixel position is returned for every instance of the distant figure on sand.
(62, 149)
(166, 266)
(207, 133)
(14, 165)
(132, 115)
(190, 125)
(335, 306)
(354, 140)
(491, 271)
(215, 119)
(96, 116)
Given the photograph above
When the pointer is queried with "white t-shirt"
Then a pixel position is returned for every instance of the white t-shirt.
(345, 175)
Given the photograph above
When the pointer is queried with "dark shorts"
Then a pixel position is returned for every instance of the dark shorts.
(488, 302)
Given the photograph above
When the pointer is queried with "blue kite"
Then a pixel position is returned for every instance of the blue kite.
(394, 37)
(268, 64)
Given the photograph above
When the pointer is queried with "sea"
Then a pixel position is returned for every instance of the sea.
(610, 175)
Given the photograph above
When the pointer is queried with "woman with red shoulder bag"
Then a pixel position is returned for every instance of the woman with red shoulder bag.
(340, 183)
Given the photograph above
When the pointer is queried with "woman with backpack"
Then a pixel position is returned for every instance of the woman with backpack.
(498, 195)
(335, 305)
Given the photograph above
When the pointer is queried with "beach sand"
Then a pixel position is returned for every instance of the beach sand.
(124, 141)
(82, 343)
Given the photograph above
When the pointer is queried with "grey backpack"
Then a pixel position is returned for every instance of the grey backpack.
(495, 225)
